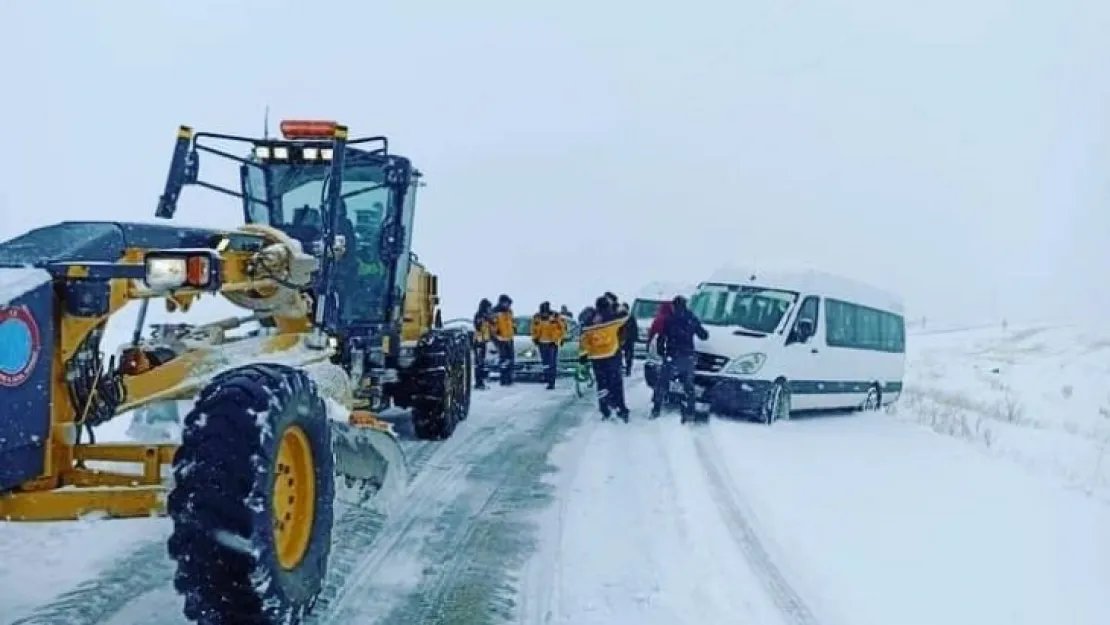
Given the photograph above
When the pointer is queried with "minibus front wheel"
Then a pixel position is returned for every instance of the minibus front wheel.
(776, 404)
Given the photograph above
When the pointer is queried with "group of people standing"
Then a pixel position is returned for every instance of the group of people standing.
(496, 323)
(608, 343)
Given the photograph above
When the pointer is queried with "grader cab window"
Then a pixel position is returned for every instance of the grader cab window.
(298, 194)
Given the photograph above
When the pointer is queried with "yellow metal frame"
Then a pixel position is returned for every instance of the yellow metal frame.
(421, 301)
(69, 490)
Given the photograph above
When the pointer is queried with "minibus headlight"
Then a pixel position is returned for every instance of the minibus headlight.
(748, 364)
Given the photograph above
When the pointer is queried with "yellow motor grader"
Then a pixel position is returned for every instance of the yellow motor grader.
(341, 324)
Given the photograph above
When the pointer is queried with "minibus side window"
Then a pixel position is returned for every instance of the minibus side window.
(808, 310)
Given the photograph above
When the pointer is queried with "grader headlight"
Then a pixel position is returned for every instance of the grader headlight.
(176, 269)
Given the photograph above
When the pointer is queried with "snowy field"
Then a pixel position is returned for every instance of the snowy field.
(981, 499)
(1037, 395)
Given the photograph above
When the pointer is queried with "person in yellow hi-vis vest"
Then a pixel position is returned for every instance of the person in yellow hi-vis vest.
(503, 330)
(548, 333)
(601, 344)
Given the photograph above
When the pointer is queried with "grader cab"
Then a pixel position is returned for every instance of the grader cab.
(342, 323)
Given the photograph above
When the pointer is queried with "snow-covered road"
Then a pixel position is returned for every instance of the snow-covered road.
(537, 513)
(465, 494)
(845, 520)
(648, 530)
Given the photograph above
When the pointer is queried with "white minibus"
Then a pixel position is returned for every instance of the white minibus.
(793, 341)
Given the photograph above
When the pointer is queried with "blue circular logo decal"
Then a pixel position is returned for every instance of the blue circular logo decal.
(19, 345)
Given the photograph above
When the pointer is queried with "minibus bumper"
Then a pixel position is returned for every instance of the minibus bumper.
(726, 395)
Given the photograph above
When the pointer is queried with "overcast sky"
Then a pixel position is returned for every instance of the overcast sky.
(954, 150)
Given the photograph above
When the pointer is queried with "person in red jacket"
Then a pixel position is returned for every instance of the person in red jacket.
(656, 328)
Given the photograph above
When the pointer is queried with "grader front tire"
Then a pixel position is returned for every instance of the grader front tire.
(252, 500)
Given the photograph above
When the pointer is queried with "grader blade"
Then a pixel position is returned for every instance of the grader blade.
(370, 462)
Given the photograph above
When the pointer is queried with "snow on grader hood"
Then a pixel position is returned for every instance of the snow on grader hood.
(346, 325)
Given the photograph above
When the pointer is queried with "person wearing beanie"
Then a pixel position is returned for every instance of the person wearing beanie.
(548, 332)
(680, 359)
(601, 344)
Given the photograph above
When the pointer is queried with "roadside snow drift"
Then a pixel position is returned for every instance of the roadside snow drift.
(1035, 395)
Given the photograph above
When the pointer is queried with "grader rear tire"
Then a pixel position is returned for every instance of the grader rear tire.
(252, 501)
(442, 371)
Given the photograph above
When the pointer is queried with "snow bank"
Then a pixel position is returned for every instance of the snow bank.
(1035, 395)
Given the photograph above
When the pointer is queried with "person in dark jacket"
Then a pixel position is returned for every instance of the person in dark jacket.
(483, 334)
(586, 316)
(504, 328)
(628, 339)
(601, 344)
(679, 359)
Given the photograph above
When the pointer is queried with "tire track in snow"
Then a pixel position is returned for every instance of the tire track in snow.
(426, 503)
(144, 569)
(350, 559)
(730, 503)
(357, 527)
(481, 536)
(540, 591)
